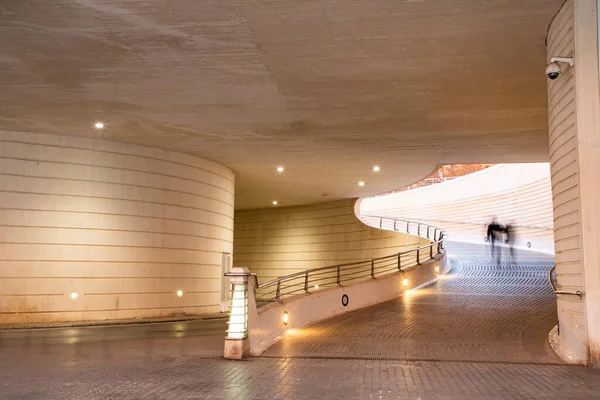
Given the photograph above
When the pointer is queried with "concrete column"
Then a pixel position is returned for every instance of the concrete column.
(574, 125)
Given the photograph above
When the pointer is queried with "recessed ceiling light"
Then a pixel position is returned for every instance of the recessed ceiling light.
(275, 202)
(74, 295)
(180, 293)
(376, 168)
(280, 169)
(98, 125)
(361, 183)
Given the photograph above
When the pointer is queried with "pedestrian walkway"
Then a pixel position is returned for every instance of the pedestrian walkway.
(482, 311)
(480, 333)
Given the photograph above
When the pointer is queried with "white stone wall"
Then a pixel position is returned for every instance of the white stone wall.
(124, 226)
(517, 193)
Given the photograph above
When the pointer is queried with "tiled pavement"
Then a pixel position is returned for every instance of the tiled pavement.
(477, 314)
(480, 312)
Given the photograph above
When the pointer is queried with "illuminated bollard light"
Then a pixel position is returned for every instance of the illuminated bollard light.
(236, 341)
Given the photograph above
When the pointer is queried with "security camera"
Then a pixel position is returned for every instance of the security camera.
(553, 69)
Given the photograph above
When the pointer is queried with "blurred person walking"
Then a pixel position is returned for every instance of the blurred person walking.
(493, 232)
(511, 239)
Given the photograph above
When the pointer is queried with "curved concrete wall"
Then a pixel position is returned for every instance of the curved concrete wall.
(573, 139)
(124, 226)
(463, 207)
(279, 241)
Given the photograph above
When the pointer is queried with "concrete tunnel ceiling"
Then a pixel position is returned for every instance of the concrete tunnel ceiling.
(326, 88)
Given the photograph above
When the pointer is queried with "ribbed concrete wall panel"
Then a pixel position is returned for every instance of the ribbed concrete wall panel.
(280, 241)
(520, 193)
(124, 226)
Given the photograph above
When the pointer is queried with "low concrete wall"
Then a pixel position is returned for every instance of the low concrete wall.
(265, 325)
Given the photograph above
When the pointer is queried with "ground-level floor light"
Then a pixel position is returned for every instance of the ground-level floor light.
(405, 282)
(437, 269)
(286, 317)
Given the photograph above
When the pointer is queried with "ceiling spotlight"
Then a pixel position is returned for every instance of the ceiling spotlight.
(98, 125)
(361, 183)
(74, 295)
(376, 168)
(280, 169)
(180, 293)
(275, 202)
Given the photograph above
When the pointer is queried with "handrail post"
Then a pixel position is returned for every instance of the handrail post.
(434, 235)
(428, 231)
(380, 223)
(338, 276)
(399, 263)
(418, 261)
(431, 250)
(395, 225)
(278, 290)
(372, 268)
(407, 226)
(306, 282)
(419, 230)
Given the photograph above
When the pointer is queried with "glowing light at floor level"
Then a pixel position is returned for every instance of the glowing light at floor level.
(286, 318)
(98, 125)
(405, 282)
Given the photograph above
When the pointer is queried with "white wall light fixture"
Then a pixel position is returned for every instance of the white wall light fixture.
(237, 346)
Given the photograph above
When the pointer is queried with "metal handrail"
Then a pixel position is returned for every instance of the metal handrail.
(335, 275)
(553, 283)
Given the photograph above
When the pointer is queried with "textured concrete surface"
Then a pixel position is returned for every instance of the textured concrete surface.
(326, 89)
(183, 360)
(121, 228)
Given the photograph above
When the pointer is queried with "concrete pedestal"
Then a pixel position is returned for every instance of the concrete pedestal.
(236, 349)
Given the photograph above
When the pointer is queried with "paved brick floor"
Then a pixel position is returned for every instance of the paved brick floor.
(181, 360)
(480, 312)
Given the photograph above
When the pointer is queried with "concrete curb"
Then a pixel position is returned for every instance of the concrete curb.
(52, 325)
